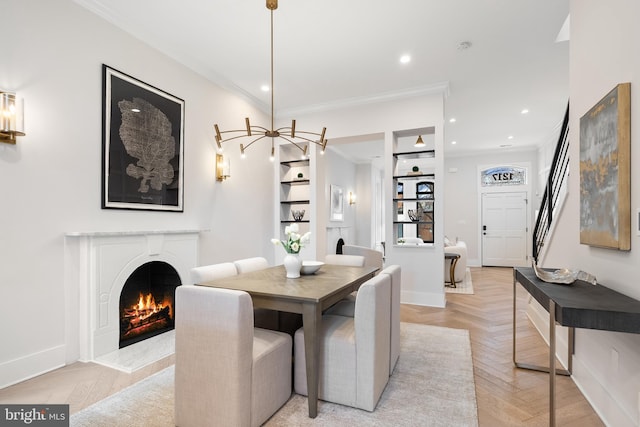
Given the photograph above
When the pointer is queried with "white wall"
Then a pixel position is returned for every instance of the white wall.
(336, 170)
(462, 213)
(50, 182)
(604, 42)
(423, 271)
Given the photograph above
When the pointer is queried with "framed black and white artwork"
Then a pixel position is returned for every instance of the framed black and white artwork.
(143, 145)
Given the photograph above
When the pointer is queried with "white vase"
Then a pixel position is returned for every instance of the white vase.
(292, 264)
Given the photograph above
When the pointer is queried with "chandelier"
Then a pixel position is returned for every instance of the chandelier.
(300, 139)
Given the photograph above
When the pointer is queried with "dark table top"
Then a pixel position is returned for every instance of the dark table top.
(583, 305)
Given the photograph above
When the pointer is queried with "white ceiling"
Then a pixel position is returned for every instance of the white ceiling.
(332, 52)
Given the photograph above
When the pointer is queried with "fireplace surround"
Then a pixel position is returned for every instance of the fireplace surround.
(97, 266)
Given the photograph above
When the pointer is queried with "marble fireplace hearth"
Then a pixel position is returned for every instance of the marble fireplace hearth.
(97, 265)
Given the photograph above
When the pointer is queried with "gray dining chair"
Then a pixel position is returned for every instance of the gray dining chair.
(227, 372)
(354, 351)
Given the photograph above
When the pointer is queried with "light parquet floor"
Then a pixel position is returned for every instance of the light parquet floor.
(506, 396)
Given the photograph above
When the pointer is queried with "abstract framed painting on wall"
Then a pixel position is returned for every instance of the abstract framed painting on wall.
(142, 145)
(337, 199)
(605, 171)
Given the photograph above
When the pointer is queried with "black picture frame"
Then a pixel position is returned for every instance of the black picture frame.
(142, 145)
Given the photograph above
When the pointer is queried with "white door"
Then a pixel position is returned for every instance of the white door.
(504, 229)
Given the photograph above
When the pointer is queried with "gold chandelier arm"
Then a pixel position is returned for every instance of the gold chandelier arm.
(257, 139)
(292, 142)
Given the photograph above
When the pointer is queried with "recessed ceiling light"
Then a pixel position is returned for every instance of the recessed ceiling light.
(524, 111)
(135, 110)
(454, 142)
(452, 120)
(510, 137)
(404, 59)
(264, 88)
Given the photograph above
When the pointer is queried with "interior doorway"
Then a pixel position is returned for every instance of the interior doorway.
(504, 229)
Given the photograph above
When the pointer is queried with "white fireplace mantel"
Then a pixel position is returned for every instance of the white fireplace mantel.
(97, 265)
(128, 233)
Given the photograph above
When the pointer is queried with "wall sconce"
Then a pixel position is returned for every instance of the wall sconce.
(11, 118)
(352, 198)
(223, 168)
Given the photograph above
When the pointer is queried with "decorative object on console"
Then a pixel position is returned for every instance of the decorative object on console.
(563, 276)
(300, 175)
(223, 168)
(11, 117)
(259, 132)
(605, 171)
(419, 142)
(143, 145)
(413, 216)
(297, 214)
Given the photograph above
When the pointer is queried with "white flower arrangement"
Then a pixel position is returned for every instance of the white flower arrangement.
(294, 241)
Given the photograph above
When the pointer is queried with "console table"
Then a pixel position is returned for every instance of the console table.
(579, 305)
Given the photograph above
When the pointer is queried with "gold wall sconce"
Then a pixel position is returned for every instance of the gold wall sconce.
(352, 198)
(11, 118)
(223, 168)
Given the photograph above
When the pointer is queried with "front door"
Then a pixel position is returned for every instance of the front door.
(504, 229)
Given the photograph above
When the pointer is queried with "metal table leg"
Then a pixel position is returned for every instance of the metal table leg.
(551, 369)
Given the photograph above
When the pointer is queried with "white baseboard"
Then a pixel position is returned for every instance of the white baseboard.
(428, 299)
(18, 370)
(608, 409)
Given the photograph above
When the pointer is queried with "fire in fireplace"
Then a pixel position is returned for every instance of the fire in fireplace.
(146, 302)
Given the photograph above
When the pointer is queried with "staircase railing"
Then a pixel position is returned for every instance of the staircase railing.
(557, 175)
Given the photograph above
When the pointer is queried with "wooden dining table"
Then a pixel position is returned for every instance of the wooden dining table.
(308, 295)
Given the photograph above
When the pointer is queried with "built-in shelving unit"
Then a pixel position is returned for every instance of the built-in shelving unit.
(413, 198)
(295, 188)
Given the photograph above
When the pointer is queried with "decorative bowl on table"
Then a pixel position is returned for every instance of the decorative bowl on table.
(310, 267)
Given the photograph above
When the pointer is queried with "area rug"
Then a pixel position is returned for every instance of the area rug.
(464, 287)
(432, 385)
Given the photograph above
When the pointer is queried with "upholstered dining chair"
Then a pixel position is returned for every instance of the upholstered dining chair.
(263, 318)
(207, 273)
(227, 373)
(346, 307)
(395, 273)
(372, 258)
(349, 260)
(354, 351)
(251, 264)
